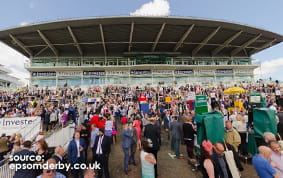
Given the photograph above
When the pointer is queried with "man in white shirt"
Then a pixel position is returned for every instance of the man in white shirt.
(102, 147)
(75, 153)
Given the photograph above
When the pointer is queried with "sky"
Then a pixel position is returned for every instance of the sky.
(257, 13)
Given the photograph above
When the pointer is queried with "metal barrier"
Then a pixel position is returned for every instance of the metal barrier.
(6, 172)
(61, 137)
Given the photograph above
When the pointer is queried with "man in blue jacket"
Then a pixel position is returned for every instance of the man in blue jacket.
(75, 153)
(24, 173)
(127, 141)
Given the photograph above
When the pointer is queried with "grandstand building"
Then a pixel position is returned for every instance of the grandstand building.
(138, 50)
(6, 80)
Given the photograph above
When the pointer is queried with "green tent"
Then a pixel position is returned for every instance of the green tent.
(264, 121)
(210, 126)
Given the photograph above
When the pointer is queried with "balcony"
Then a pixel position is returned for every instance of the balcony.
(133, 63)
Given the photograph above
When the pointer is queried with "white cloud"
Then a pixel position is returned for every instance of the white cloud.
(271, 67)
(153, 8)
(14, 61)
(24, 23)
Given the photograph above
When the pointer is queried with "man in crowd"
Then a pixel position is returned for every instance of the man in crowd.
(127, 135)
(268, 137)
(152, 132)
(25, 152)
(59, 157)
(93, 136)
(276, 157)
(134, 143)
(280, 123)
(50, 172)
(222, 169)
(232, 135)
(175, 129)
(102, 147)
(261, 164)
(89, 173)
(166, 121)
(75, 153)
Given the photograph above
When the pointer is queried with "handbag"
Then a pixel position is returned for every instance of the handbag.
(231, 162)
(114, 132)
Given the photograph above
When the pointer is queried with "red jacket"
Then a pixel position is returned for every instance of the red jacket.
(99, 123)
(124, 120)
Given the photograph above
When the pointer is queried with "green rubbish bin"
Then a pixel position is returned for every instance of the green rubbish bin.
(210, 126)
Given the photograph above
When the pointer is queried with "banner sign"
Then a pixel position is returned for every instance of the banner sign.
(191, 96)
(210, 72)
(167, 99)
(117, 72)
(156, 72)
(224, 71)
(201, 104)
(14, 124)
(140, 72)
(255, 97)
(43, 74)
(94, 73)
(69, 73)
(242, 71)
(201, 100)
(183, 72)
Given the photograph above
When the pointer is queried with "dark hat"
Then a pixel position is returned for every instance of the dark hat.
(101, 130)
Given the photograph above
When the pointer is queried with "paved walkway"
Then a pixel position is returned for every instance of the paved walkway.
(167, 167)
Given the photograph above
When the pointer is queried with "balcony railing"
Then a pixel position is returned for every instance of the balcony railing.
(48, 65)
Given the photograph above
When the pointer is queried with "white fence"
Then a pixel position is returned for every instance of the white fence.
(6, 172)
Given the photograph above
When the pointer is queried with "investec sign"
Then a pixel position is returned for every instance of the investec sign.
(13, 125)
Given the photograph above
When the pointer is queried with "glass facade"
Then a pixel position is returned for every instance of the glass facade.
(139, 70)
(169, 80)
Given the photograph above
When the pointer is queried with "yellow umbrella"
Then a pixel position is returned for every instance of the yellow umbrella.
(233, 90)
(22, 90)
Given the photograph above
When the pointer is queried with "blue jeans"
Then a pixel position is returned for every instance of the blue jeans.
(126, 158)
(175, 146)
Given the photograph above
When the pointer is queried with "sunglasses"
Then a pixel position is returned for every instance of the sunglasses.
(50, 171)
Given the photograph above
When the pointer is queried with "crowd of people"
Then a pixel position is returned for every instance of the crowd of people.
(117, 107)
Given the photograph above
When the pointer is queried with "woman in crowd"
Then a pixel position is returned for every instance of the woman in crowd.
(206, 161)
(147, 160)
(188, 133)
(137, 125)
(42, 150)
(114, 131)
(108, 126)
(19, 139)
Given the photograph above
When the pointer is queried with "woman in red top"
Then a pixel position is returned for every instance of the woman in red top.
(137, 125)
